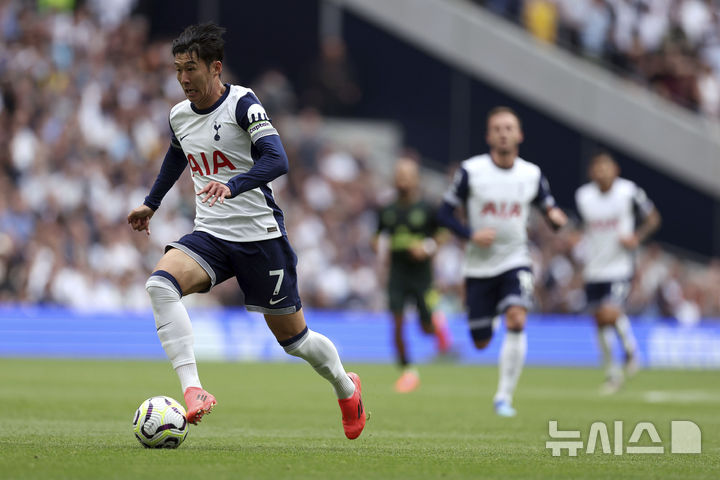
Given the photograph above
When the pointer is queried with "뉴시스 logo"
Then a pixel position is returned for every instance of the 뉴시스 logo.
(685, 438)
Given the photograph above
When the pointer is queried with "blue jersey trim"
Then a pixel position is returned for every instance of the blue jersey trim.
(290, 341)
(168, 275)
(277, 213)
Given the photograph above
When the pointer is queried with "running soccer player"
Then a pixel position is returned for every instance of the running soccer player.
(496, 191)
(224, 134)
(617, 216)
(411, 224)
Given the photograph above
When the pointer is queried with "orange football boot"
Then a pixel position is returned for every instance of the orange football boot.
(199, 402)
(353, 411)
(408, 381)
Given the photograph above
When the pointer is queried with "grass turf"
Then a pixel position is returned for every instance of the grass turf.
(71, 419)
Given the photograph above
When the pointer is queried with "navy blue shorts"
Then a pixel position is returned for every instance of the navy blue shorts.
(265, 270)
(614, 293)
(487, 298)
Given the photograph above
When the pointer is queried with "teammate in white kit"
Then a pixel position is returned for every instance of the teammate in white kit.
(496, 191)
(224, 134)
(610, 208)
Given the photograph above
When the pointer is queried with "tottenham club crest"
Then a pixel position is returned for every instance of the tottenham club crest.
(217, 134)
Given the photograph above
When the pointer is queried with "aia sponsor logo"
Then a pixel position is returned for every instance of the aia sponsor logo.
(605, 224)
(502, 209)
(219, 160)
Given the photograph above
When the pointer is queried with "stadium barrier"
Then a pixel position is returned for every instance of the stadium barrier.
(236, 335)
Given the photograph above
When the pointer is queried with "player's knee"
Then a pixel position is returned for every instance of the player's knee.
(162, 286)
(515, 318)
(606, 315)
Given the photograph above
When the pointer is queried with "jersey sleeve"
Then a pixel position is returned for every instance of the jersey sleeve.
(641, 203)
(578, 206)
(252, 118)
(457, 194)
(544, 199)
(379, 215)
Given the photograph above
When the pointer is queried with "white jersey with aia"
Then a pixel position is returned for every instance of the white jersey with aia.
(218, 143)
(608, 216)
(500, 199)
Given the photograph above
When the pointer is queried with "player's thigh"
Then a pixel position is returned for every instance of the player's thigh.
(266, 272)
(516, 296)
(420, 293)
(396, 292)
(481, 297)
(189, 274)
(606, 300)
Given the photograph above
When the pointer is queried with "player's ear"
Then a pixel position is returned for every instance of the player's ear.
(217, 67)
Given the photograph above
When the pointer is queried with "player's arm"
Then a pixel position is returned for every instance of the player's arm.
(545, 202)
(380, 230)
(428, 246)
(272, 160)
(171, 169)
(456, 196)
(651, 220)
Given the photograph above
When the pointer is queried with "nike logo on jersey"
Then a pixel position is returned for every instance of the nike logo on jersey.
(274, 302)
(184, 136)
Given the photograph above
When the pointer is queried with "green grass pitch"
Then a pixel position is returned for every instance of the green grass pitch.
(72, 419)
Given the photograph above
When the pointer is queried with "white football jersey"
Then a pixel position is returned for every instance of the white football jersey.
(500, 199)
(607, 216)
(218, 144)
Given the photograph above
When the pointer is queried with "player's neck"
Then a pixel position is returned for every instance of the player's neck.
(503, 160)
(407, 198)
(606, 186)
(216, 93)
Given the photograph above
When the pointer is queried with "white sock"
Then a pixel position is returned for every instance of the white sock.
(510, 365)
(188, 375)
(624, 331)
(606, 339)
(321, 354)
(174, 329)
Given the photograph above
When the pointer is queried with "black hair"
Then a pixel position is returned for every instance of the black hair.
(205, 40)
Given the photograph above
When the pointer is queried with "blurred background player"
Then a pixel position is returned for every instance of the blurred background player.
(496, 191)
(411, 224)
(234, 151)
(617, 216)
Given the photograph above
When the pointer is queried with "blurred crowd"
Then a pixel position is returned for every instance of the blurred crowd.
(670, 46)
(84, 102)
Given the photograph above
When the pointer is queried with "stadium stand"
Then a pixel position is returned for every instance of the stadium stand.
(669, 46)
(83, 127)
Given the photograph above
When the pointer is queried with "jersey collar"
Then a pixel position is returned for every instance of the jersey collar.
(203, 111)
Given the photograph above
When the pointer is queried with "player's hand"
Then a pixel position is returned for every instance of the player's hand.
(418, 252)
(630, 242)
(557, 217)
(139, 218)
(483, 237)
(215, 191)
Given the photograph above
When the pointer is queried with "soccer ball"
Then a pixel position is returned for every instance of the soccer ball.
(160, 423)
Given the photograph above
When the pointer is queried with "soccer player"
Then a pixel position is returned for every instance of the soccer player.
(411, 224)
(496, 191)
(617, 216)
(225, 135)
